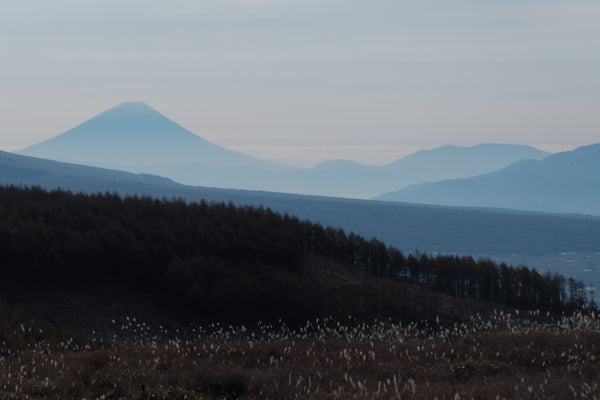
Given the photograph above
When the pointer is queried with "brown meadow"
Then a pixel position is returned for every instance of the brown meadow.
(502, 356)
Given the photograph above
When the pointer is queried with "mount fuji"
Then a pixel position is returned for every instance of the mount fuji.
(134, 137)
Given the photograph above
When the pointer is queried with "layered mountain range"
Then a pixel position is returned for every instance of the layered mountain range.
(134, 137)
(562, 182)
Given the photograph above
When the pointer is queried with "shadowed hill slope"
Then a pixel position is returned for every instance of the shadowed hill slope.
(240, 264)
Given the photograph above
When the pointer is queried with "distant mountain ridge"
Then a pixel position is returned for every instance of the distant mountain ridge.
(343, 178)
(567, 182)
(134, 137)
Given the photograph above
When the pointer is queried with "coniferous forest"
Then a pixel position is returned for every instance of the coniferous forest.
(220, 262)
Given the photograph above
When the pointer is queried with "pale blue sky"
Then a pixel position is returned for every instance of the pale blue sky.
(303, 81)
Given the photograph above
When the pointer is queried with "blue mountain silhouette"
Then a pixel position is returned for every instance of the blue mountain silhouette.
(563, 182)
(134, 137)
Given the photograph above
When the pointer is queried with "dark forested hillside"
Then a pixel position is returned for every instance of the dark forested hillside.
(221, 262)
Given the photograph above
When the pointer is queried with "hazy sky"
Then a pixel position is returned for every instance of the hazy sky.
(307, 80)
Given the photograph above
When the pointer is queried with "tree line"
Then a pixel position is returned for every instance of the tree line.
(218, 258)
(460, 276)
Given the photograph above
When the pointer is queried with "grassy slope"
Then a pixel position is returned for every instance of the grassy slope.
(90, 344)
(500, 357)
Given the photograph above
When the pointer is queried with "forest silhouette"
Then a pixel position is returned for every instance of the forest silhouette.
(239, 264)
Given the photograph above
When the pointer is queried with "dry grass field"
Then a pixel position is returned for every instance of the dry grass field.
(503, 356)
